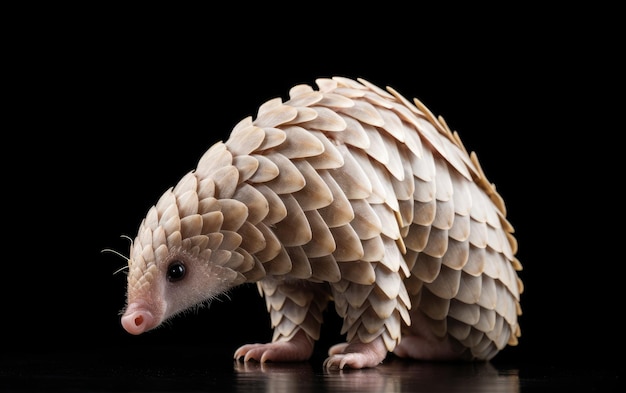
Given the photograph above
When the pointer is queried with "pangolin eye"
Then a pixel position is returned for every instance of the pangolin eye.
(175, 271)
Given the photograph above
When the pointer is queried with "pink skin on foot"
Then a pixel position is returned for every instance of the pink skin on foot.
(356, 355)
(299, 348)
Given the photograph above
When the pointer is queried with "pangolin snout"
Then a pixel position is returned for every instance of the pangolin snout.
(138, 318)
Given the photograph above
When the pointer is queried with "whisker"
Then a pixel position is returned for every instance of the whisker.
(116, 253)
(127, 259)
(129, 239)
(120, 269)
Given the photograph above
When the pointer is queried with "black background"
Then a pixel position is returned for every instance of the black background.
(107, 112)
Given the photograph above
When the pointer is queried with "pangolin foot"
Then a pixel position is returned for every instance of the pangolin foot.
(299, 348)
(356, 355)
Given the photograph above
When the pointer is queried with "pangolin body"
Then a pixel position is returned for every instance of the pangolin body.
(346, 194)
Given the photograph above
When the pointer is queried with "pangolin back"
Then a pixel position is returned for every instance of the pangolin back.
(362, 198)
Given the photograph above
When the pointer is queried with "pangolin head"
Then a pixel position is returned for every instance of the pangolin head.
(187, 251)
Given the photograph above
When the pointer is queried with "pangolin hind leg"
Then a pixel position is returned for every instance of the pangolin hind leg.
(356, 354)
(295, 309)
(372, 315)
(420, 342)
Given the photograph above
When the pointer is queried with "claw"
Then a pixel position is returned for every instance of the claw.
(299, 348)
(356, 355)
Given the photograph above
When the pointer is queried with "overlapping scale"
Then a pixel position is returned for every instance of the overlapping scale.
(357, 189)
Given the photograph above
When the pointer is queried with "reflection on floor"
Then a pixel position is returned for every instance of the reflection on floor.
(181, 369)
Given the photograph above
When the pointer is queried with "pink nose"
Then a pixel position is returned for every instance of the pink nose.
(137, 319)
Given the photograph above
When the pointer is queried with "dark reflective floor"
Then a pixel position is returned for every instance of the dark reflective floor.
(181, 371)
(393, 376)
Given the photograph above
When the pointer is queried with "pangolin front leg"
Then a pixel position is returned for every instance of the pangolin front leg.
(295, 349)
(295, 309)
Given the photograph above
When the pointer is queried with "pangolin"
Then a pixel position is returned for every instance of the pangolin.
(345, 194)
